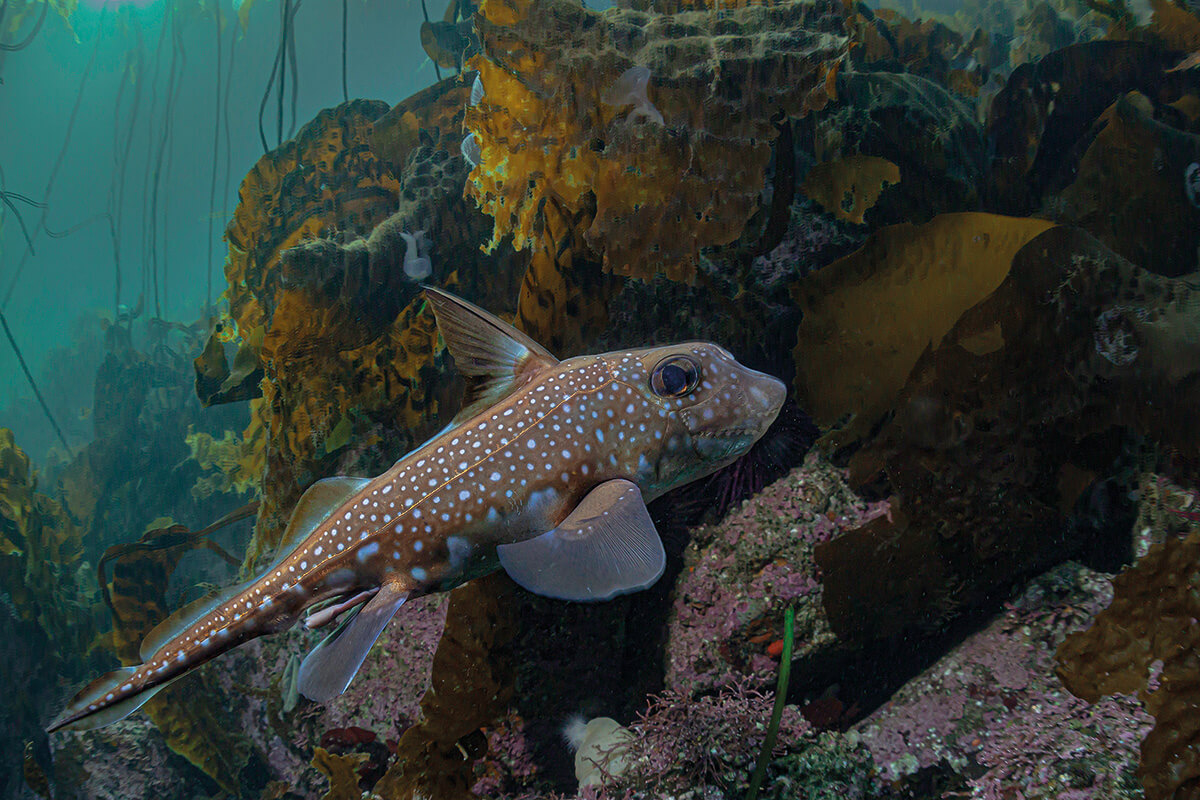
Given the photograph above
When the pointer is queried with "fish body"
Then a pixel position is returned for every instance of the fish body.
(545, 474)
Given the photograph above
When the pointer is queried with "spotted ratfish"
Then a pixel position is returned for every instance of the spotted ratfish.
(545, 473)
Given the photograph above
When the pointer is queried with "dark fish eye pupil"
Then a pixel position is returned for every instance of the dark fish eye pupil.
(674, 379)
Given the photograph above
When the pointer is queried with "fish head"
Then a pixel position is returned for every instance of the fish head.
(709, 408)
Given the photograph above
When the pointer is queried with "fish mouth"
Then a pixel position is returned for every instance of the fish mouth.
(718, 446)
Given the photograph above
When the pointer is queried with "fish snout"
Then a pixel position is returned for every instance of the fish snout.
(764, 397)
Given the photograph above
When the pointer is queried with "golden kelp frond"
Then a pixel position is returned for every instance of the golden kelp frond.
(849, 187)
(870, 315)
(323, 180)
(40, 552)
(326, 359)
(391, 384)
(1146, 642)
(341, 771)
(433, 114)
(651, 169)
(149, 562)
(234, 463)
(189, 714)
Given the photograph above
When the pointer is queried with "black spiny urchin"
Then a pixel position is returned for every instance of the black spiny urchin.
(779, 450)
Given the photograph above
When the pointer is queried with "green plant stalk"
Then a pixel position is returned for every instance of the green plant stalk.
(785, 672)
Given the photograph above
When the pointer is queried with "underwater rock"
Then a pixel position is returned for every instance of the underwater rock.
(1130, 187)
(927, 132)
(740, 574)
(990, 715)
(1028, 416)
(127, 759)
(1146, 639)
(639, 197)
(1045, 111)
(683, 746)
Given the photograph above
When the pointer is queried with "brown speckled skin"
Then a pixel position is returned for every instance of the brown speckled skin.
(511, 472)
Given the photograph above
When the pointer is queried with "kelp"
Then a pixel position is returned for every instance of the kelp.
(1002, 429)
(870, 315)
(233, 463)
(341, 771)
(191, 715)
(471, 684)
(849, 187)
(41, 550)
(640, 195)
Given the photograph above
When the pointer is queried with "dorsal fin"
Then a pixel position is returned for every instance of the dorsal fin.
(314, 507)
(494, 357)
(178, 621)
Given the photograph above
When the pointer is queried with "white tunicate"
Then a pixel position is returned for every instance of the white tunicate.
(476, 91)
(416, 266)
(470, 150)
(630, 89)
(601, 749)
(1191, 183)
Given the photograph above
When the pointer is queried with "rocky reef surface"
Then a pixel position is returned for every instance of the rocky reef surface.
(966, 242)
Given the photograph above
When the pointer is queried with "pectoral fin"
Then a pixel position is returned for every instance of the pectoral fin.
(605, 547)
(329, 668)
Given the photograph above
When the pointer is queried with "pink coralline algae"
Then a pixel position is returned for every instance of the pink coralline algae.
(813, 239)
(681, 743)
(126, 759)
(740, 574)
(510, 760)
(993, 711)
(383, 698)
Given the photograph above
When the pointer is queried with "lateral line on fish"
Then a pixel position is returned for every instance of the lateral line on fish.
(657, 422)
(491, 454)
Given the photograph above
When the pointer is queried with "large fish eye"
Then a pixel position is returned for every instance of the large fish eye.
(675, 376)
